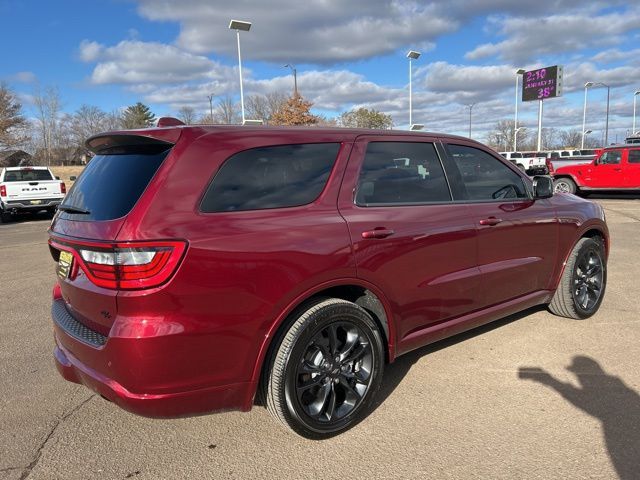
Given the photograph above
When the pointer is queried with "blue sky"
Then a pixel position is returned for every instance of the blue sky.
(170, 54)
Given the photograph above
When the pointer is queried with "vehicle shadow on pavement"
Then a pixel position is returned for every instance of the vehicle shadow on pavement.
(394, 373)
(607, 398)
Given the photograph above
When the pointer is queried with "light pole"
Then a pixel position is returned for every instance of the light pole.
(210, 97)
(471, 105)
(519, 72)
(295, 78)
(633, 130)
(599, 84)
(411, 55)
(238, 25)
(584, 112)
(584, 134)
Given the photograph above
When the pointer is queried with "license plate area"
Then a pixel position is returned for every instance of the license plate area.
(64, 264)
(36, 202)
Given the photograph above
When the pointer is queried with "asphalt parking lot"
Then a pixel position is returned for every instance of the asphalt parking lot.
(533, 396)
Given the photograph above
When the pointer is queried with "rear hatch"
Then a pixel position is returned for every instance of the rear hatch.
(28, 183)
(84, 231)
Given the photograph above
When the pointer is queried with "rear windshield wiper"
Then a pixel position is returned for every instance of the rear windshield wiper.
(70, 209)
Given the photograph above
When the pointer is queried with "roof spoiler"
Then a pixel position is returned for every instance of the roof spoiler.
(120, 143)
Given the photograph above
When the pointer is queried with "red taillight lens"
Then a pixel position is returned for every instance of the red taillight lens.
(63, 188)
(549, 166)
(128, 265)
(3, 191)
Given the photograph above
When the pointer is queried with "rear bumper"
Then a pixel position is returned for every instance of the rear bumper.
(27, 205)
(132, 371)
(168, 405)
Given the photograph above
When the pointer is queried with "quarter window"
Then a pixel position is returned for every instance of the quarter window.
(401, 173)
(271, 177)
(485, 177)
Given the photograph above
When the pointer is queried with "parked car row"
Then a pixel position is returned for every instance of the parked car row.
(295, 263)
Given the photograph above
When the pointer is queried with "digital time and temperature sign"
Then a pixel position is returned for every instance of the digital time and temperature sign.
(542, 83)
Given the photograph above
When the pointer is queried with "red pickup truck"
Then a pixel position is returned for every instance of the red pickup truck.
(616, 168)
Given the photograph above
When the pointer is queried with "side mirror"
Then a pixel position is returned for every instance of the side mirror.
(542, 187)
(72, 178)
(57, 178)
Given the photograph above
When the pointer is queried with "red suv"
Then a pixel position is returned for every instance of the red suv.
(200, 265)
(615, 168)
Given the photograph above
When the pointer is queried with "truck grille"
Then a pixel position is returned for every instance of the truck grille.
(74, 328)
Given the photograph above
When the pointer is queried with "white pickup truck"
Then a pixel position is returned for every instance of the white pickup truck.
(533, 163)
(29, 189)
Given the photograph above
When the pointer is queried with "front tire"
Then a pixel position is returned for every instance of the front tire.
(564, 185)
(326, 370)
(583, 281)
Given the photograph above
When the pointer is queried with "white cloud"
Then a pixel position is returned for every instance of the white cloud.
(529, 38)
(22, 77)
(132, 62)
(89, 51)
(315, 31)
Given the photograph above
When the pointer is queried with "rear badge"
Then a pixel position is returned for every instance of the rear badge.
(64, 264)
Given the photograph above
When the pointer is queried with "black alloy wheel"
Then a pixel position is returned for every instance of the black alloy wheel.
(583, 282)
(326, 370)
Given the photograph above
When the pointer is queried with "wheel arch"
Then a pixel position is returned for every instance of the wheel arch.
(567, 175)
(361, 293)
(591, 231)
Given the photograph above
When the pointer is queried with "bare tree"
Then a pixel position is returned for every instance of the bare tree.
(263, 107)
(227, 111)
(501, 137)
(571, 138)
(187, 115)
(48, 105)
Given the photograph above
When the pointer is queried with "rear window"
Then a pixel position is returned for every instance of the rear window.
(27, 175)
(110, 185)
(271, 177)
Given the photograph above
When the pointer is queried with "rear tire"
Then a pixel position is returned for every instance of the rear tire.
(564, 185)
(521, 168)
(324, 374)
(583, 281)
(5, 217)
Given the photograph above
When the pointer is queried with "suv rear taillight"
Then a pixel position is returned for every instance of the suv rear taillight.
(126, 265)
(549, 165)
(63, 188)
(3, 191)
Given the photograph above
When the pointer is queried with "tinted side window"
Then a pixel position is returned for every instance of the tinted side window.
(634, 156)
(612, 157)
(271, 177)
(401, 173)
(485, 177)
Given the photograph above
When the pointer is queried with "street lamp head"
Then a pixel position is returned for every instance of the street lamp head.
(520, 71)
(413, 55)
(416, 126)
(588, 84)
(239, 25)
(587, 132)
(637, 92)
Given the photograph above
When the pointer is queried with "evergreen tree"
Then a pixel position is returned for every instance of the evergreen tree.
(138, 116)
(13, 125)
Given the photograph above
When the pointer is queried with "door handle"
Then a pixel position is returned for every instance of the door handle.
(491, 221)
(378, 233)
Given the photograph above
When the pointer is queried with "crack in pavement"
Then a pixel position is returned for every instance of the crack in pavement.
(624, 214)
(27, 471)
